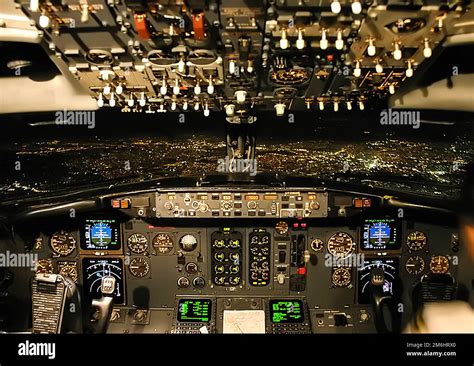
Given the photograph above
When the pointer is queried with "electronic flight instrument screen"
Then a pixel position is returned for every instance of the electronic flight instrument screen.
(286, 311)
(94, 269)
(194, 310)
(390, 270)
(381, 234)
(101, 235)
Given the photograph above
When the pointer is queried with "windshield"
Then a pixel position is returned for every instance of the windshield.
(42, 158)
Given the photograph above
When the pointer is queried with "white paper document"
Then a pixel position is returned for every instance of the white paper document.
(244, 321)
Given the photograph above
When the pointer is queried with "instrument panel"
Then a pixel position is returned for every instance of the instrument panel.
(296, 274)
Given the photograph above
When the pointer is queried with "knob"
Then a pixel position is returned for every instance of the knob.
(252, 205)
(199, 282)
(241, 95)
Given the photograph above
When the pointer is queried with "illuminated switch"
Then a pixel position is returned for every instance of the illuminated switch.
(124, 204)
(115, 203)
(301, 271)
(367, 202)
(141, 26)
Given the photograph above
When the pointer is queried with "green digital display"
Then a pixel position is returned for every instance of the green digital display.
(286, 311)
(194, 310)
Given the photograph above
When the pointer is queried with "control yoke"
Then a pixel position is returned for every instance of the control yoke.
(102, 308)
(380, 298)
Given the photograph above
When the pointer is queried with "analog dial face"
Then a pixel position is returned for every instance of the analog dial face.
(317, 245)
(163, 243)
(416, 241)
(415, 265)
(341, 277)
(137, 243)
(188, 242)
(62, 243)
(139, 267)
(44, 266)
(281, 228)
(68, 269)
(341, 245)
(439, 264)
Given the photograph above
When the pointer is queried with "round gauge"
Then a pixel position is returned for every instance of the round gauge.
(188, 242)
(341, 245)
(281, 228)
(220, 280)
(341, 277)
(191, 267)
(317, 245)
(219, 243)
(44, 266)
(416, 241)
(139, 267)
(219, 269)
(234, 280)
(163, 243)
(62, 243)
(183, 282)
(439, 264)
(415, 265)
(219, 256)
(199, 282)
(233, 269)
(234, 243)
(137, 243)
(234, 257)
(68, 269)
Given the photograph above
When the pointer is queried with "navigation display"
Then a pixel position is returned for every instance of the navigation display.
(381, 234)
(390, 270)
(101, 235)
(286, 311)
(194, 310)
(94, 269)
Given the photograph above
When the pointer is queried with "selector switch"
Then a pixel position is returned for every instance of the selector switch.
(281, 256)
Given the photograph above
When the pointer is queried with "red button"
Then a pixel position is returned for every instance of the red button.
(301, 271)
(115, 203)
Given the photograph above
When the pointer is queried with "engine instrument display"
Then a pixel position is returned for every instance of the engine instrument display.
(194, 310)
(259, 257)
(381, 234)
(390, 269)
(226, 257)
(94, 269)
(101, 235)
(286, 311)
